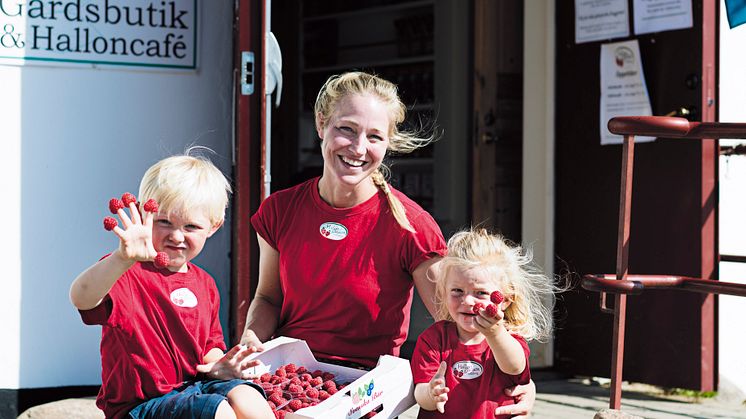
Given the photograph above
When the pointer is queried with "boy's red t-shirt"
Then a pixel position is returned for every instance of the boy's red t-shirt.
(475, 381)
(345, 273)
(157, 327)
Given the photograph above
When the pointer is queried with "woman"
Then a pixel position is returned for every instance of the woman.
(339, 254)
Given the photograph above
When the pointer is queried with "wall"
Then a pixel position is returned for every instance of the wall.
(537, 228)
(732, 208)
(73, 137)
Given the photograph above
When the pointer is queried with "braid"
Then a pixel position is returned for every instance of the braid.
(397, 209)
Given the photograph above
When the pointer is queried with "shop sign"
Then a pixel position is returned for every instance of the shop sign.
(134, 33)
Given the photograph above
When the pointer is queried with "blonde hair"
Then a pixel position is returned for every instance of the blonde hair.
(357, 82)
(530, 292)
(184, 183)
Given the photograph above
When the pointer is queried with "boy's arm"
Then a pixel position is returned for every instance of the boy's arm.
(90, 287)
(135, 244)
(264, 313)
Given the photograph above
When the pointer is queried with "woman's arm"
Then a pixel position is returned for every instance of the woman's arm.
(264, 312)
(424, 280)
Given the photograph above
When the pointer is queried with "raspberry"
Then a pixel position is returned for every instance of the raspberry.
(327, 376)
(265, 377)
(295, 388)
(491, 310)
(280, 414)
(295, 404)
(150, 205)
(317, 373)
(305, 377)
(115, 205)
(295, 380)
(496, 297)
(329, 384)
(302, 370)
(110, 223)
(477, 307)
(332, 391)
(281, 372)
(276, 399)
(316, 381)
(161, 260)
(323, 395)
(312, 393)
(128, 198)
(291, 368)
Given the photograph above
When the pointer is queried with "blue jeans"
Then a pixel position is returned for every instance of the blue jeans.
(193, 400)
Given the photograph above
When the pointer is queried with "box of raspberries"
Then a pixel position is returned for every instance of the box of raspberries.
(300, 387)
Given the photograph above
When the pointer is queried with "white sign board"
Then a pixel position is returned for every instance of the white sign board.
(138, 33)
(623, 89)
(662, 15)
(600, 19)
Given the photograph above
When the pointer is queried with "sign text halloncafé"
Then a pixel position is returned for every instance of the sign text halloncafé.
(139, 33)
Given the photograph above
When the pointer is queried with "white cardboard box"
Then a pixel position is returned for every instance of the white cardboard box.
(392, 388)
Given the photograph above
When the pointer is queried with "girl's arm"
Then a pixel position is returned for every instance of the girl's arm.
(507, 351)
(264, 312)
(433, 395)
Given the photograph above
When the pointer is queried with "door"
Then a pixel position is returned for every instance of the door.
(249, 29)
(670, 336)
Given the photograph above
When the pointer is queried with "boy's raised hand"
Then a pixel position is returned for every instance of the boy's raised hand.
(438, 389)
(232, 365)
(136, 236)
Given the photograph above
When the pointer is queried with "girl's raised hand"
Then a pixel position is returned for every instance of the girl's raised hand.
(438, 389)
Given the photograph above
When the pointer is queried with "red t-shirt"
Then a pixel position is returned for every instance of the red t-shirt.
(345, 273)
(157, 327)
(478, 389)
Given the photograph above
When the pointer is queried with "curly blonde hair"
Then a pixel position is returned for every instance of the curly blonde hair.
(530, 292)
(357, 82)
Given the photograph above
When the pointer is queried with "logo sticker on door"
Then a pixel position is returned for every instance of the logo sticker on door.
(333, 231)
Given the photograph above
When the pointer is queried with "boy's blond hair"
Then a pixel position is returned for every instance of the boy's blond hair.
(357, 82)
(185, 183)
(530, 292)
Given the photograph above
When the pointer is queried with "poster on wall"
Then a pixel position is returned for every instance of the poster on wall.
(600, 20)
(662, 15)
(623, 89)
(153, 34)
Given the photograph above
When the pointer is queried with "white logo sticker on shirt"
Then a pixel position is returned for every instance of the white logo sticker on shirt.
(467, 370)
(183, 297)
(333, 231)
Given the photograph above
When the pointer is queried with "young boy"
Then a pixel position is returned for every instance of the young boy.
(162, 344)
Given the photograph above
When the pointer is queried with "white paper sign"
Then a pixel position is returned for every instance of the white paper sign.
(139, 33)
(600, 20)
(623, 89)
(662, 15)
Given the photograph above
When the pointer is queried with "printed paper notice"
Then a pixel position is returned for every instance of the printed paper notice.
(662, 15)
(600, 20)
(623, 89)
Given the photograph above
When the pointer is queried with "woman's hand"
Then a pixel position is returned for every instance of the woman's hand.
(232, 365)
(249, 339)
(525, 397)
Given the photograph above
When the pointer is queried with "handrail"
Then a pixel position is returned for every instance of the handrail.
(636, 284)
(674, 127)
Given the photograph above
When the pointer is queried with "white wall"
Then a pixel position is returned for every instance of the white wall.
(732, 310)
(538, 140)
(72, 138)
